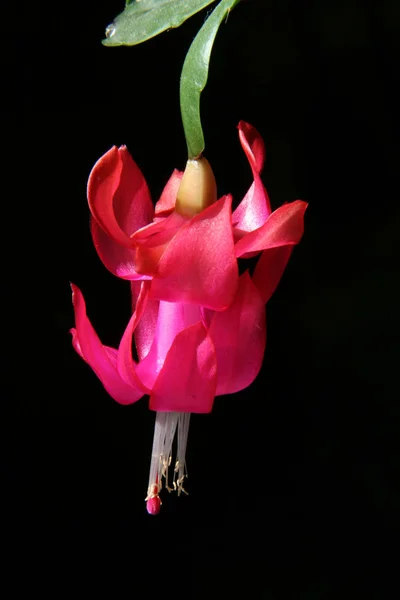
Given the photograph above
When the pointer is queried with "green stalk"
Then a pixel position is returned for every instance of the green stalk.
(194, 77)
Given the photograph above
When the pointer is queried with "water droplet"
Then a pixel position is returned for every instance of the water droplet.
(110, 30)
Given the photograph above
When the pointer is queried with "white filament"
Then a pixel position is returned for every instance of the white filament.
(161, 457)
(180, 466)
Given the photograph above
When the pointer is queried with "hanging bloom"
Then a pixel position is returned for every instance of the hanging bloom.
(199, 328)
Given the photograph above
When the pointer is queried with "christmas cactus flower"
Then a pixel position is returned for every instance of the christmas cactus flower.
(199, 328)
(188, 245)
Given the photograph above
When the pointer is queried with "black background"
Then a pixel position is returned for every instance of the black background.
(294, 489)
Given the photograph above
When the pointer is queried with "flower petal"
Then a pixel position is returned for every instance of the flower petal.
(173, 317)
(152, 240)
(255, 207)
(101, 358)
(146, 327)
(269, 270)
(187, 381)
(126, 366)
(253, 146)
(118, 196)
(167, 199)
(239, 336)
(199, 264)
(284, 227)
(118, 259)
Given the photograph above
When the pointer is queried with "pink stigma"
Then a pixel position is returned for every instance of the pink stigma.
(153, 505)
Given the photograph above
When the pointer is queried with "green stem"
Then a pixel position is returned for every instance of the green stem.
(194, 77)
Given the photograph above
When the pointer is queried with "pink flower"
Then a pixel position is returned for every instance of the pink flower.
(199, 328)
(189, 259)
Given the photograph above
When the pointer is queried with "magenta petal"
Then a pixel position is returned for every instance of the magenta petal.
(199, 264)
(132, 203)
(158, 232)
(172, 318)
(110, 352)
(167, 199)
(101, 358)
(269, 270)
(152, 240)
(284, 227)
(187, 381)
(146, 327)
(253, 146)
(255, 207)
(127, 367)
(75, 343)
(118, 196)
(239, 336)
(118, 259)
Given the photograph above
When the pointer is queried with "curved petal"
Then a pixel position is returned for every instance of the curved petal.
(255, 207)
(146, 327)
(167, 199)
(132, 202)
(172, 318)
(252, 212)
(239, 336)
(199, 265)
(118, 196)
(118, 259)
(110, 352)
(187, 381)
(101, 358)
(269, 270)
(126, 366)
(284, 227)
(152, 240)
(253, 146)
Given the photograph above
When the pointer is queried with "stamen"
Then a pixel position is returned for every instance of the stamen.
(180, 472)
(166, 425)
